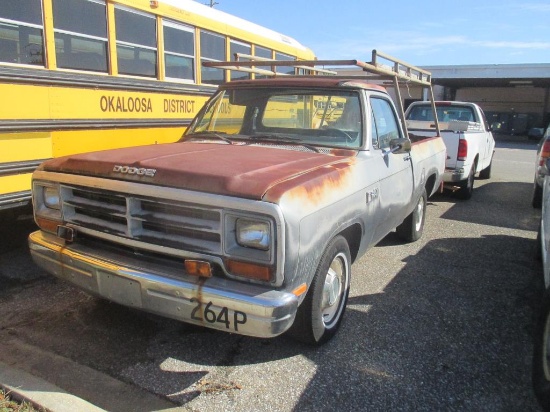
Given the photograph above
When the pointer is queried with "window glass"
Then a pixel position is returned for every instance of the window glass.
(262, 52)
(25, 11)
(136, 43)
(212, 49)
(136, 61)
(21, 32)
(80, 16)
(445, 113)
(242, 48)
(179, 51)
(77, 53)
(282, 69)
(285, 115)
(385, 120)
(179, 39)
(221, 115)
(179, 67)
(266, 54)
(21, 44)
(80, 30)
(135, 28)
(374, 132)
(212, 46)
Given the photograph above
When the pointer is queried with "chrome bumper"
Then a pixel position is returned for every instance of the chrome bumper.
(215, 303)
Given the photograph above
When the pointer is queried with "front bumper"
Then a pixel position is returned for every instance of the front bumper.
(215, 303)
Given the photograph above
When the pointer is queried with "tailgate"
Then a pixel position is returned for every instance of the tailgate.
(451, 143)
(449, 138)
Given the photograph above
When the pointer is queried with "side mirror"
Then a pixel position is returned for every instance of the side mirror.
(399, 146)
(546, 167)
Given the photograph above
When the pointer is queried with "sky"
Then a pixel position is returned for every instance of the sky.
(422, 33)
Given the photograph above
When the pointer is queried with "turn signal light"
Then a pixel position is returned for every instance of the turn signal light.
(249, 270)
(198, 268)
(47, 225)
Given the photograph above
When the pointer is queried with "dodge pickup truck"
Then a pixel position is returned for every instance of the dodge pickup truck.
(251, 222)
(467, 136)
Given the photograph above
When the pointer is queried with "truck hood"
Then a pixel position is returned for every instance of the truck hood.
(232, 170)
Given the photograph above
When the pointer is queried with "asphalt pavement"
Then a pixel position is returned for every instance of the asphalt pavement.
(440, 324)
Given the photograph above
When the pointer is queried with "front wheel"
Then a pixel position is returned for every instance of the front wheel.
(486, 173)
(412, 227)
(320, 314)
(536, 200)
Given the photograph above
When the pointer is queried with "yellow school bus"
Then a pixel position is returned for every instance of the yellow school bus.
(84, 75)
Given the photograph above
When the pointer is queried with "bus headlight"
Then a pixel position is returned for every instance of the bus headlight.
(253, 234)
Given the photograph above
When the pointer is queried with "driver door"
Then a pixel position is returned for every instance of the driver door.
(395, 169)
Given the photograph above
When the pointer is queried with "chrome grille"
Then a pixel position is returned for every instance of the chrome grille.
(160, 222)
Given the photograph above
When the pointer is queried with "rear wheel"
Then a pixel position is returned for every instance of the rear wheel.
(320, 314)
(467, 186)
(412, 227)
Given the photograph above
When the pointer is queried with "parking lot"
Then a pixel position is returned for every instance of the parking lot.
(441, 324)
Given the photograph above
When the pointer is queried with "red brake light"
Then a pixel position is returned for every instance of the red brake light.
(544, 152)
(462, 149)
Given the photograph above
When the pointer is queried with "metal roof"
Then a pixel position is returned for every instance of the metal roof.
(494, 75)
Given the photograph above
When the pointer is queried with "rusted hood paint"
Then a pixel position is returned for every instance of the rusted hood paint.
(233, 170)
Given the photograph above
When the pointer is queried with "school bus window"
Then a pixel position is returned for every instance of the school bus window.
(80, 31)
(136, 43)
(280, 69)
(21, 32)
(212, 49)
(266, 54)
(242, 48)
(179, 51)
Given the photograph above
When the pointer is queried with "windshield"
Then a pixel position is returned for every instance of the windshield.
(308, 117)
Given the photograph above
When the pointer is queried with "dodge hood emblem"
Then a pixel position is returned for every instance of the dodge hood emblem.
(138, 171)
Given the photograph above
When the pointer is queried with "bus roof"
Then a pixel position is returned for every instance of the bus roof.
(231, 20)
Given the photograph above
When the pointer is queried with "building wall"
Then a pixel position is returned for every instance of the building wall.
(512, 110)
(518, 99)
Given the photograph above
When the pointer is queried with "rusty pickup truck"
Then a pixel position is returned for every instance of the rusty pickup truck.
(251, 222)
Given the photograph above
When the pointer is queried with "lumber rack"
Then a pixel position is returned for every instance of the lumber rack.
(382, 67)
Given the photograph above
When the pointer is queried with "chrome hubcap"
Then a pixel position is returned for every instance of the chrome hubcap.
(420, 212)
(333, 289)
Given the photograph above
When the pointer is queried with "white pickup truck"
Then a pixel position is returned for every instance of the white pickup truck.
(467, 136)
(251, 222)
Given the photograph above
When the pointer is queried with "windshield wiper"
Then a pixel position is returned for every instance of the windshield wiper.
(281, 139)
(210, 134)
